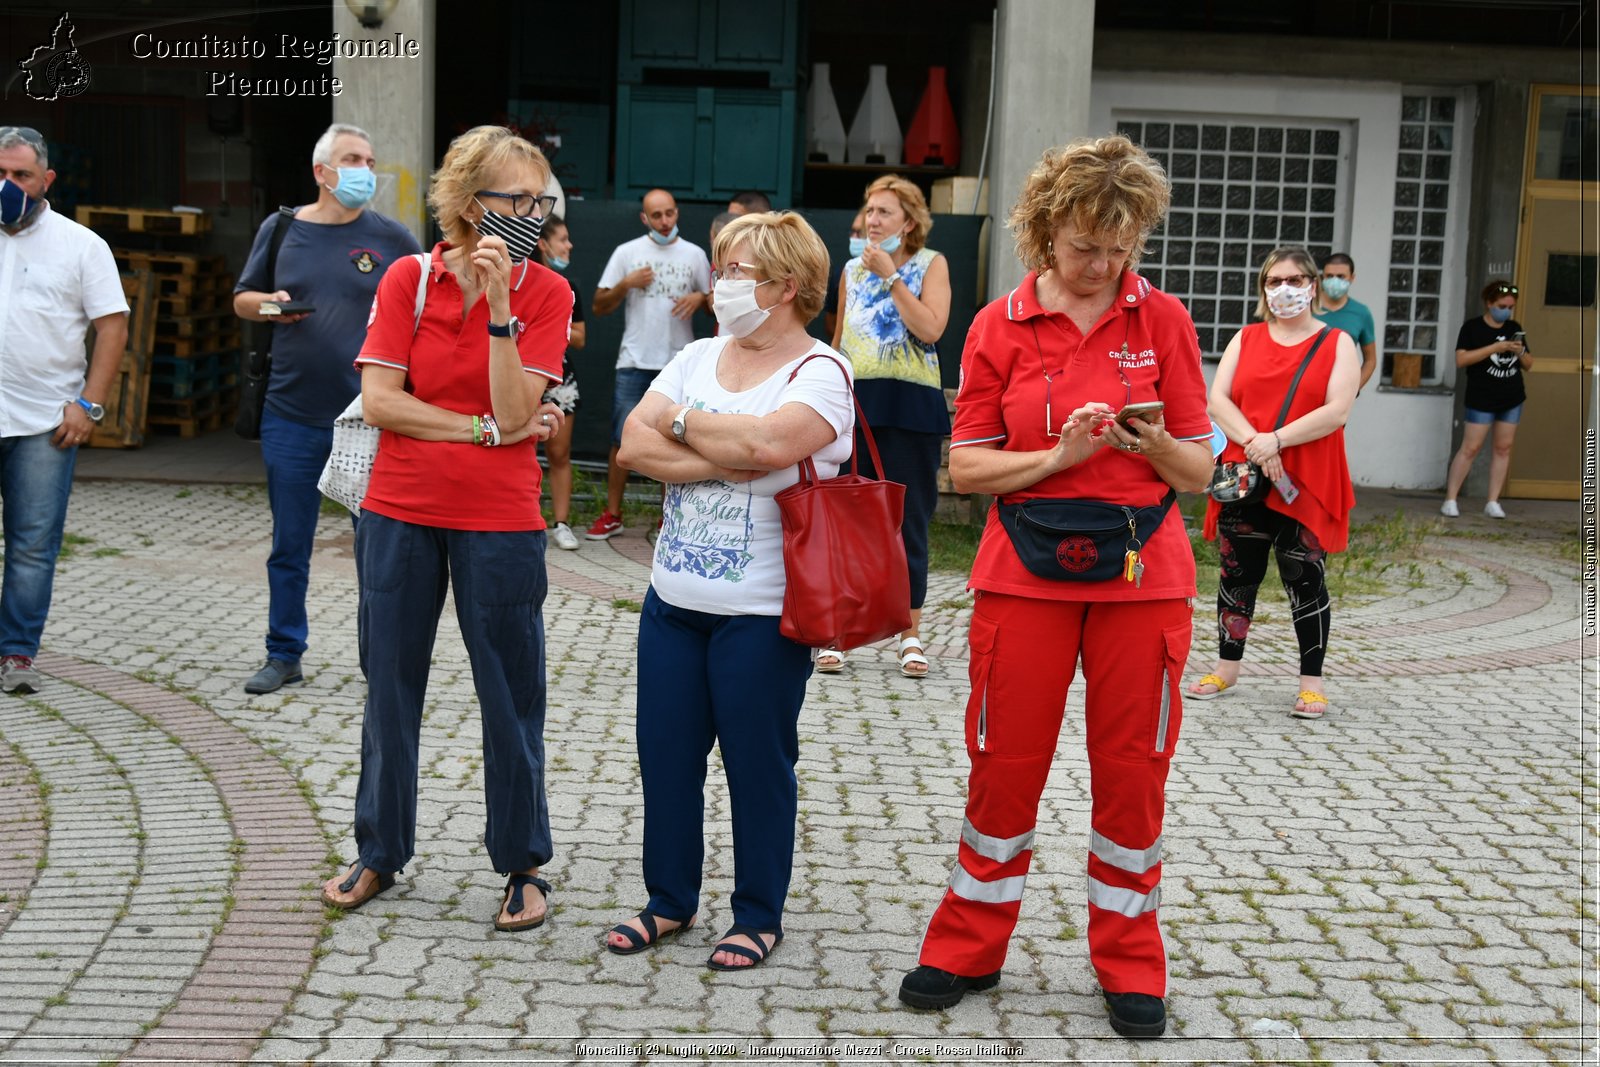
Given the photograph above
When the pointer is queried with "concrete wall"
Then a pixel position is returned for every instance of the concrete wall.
(392, 99)
(1045, 59)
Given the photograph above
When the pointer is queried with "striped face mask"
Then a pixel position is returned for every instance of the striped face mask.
(521, 235)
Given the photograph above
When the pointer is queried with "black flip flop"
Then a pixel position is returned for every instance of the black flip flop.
(649, 939)
(384, 881)
(756, 956)
(513, 901)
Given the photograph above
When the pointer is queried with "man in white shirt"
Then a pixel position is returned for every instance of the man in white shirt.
(661, 280)
(56, 278)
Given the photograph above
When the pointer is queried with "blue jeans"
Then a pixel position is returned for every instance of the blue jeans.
(295, 455)
(35, 482)
(499, 580)
(631, 385)
(735, 681)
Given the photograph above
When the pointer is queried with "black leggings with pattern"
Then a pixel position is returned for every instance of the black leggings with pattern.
(1246, 534)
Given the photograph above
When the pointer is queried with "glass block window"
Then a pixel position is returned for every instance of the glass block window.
(1240, 188)
(1424, 168)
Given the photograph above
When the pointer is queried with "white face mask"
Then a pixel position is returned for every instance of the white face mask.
(734, 303)
(1285, 302)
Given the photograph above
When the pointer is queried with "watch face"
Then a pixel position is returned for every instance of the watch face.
(96, 412)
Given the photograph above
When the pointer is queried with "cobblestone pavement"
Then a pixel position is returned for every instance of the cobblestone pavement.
(1406, 881)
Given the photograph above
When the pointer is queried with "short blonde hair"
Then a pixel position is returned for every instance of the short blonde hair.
(1104, 184)
(783, 246)
(912, 203)
(469, 162)
(1301, 258)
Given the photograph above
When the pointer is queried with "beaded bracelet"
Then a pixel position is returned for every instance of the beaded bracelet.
(1278, 440)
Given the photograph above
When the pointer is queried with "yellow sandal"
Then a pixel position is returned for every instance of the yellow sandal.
(1310, 705)
(1210, 679)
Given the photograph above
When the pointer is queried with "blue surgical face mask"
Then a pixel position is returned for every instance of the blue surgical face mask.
(1500, 314)
(356, 186)
(15, 204)
(858, 245)
(1335, 288)
(557, 263)
(891, 245)
(667, 240)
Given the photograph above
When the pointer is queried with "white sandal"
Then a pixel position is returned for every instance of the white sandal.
(834, 654)
(908, 657)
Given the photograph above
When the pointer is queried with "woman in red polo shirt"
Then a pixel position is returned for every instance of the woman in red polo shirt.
(1044, 374)
(454, 500)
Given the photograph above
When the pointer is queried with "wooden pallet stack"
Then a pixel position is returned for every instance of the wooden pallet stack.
(195, 348)
(126, 403)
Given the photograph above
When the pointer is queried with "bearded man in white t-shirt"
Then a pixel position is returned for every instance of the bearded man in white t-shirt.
(56, 278)
(660, 280)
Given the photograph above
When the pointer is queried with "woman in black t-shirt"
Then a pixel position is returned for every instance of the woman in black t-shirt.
(1494, 351)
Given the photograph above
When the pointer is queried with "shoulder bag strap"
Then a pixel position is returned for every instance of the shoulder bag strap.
(285, 216)
(808, 469)
(425, 262)
(1283, 413)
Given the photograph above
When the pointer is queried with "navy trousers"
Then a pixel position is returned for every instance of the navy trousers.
(500, 584)
(733, 680)
(912, 459)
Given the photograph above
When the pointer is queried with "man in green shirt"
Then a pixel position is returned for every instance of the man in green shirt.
(1337, 309)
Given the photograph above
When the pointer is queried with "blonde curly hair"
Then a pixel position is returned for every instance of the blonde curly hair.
(1099, 184)
(470, 161)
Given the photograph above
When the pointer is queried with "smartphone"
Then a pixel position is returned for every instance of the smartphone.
(1141, 411)
(286, 307)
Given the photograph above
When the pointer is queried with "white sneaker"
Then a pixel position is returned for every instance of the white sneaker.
(1494, 510)
(1449, 510)
(563, 536)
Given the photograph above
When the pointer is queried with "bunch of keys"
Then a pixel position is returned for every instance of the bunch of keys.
(1133, 568)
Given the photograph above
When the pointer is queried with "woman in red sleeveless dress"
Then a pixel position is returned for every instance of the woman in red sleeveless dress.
(1306, 514)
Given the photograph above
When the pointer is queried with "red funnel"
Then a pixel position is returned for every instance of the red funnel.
(933, 139)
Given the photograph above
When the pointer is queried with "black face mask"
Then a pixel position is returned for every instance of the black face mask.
(521, 235)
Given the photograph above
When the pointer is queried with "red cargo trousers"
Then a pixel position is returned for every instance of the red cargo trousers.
(1024, 652)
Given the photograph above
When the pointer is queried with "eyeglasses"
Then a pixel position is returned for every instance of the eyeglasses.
(1502, 289)
(523, 203)
(1051, 427)
(737, 271)
(1299, 281)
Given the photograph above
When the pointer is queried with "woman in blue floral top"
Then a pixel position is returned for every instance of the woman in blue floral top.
(896, 300)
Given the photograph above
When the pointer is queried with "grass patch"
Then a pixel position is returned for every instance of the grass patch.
(952, 546)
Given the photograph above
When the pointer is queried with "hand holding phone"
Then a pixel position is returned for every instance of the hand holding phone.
(271, 308)
(1142, 411)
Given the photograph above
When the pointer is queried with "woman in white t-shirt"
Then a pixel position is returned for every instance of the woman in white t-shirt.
(724, 426)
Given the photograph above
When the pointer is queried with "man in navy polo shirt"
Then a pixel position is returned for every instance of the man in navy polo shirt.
(331, 258)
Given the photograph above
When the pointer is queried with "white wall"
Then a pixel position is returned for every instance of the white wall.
(1398, 440)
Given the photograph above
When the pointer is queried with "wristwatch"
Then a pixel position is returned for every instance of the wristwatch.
(96, 412)
(679, 426)
(510, 329)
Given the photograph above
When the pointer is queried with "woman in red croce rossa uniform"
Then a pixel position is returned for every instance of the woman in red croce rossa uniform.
(1044, 372)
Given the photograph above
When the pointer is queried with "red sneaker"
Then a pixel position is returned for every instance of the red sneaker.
(606, 526)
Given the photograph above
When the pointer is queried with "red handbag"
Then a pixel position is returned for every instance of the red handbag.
(847, 583)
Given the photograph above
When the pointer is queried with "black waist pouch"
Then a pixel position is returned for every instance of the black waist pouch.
(1079, 540)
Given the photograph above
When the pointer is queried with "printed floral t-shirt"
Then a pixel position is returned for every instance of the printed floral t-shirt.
(721, 544)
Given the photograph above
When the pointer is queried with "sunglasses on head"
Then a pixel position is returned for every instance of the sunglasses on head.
(1506, 289)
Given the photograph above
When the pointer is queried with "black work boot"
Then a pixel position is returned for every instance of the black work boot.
(1137, 1014)
(931, 989)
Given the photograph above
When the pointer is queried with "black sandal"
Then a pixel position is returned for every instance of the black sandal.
(512, 902)
(756, 956)
(382, 882)
(649, 939)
